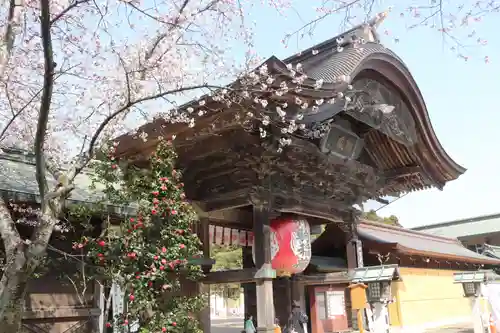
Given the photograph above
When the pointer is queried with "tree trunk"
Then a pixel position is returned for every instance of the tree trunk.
(12, 293)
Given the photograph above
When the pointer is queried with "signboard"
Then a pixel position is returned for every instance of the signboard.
(359, 253)
(358, 296)
(118, 303)
(335, 303)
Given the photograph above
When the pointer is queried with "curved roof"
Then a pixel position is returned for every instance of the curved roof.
(419, 166)
(325, 62)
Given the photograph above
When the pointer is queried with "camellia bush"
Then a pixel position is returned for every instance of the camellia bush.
(152, 253)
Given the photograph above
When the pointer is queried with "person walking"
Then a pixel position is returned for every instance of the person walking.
(297, 322)
(277, 327)
(249, 326)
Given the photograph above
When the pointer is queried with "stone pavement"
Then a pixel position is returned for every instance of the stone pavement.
(230, 325)
(235, 325)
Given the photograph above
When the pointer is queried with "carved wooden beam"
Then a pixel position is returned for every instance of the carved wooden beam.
(225, 201)
(285, 202)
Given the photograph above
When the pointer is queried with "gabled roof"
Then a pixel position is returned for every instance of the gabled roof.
(411, 242)
(478, 225)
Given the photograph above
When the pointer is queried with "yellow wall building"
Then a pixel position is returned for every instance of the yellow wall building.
(428, 298)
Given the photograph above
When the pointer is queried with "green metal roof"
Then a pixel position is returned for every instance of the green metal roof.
(491, 251)
(464, 277)
(476, 276)
(18, 182)
(375, 273)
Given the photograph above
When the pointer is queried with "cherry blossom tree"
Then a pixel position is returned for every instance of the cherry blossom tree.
(75, 73)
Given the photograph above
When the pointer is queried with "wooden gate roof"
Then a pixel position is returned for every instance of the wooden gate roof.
(402, 151)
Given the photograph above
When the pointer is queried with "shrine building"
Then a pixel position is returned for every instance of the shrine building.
(350, 126)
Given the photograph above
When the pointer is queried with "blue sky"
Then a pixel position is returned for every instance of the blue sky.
(460, 96)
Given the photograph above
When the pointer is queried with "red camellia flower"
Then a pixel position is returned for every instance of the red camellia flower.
(108, 324)
(156, 257)
(114, 166)
(174, 323)
(164, 249)
(100, 255)
(155, 193)
(131, 297)
(153, 211)
(163, 188)
(162, 268)
(132, 219)
(101, 243)
(163, 329)
(125, 322)
(182, 246)
(173, 212)
(163, 261)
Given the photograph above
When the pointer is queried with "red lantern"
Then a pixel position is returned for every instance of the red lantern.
(290, 245)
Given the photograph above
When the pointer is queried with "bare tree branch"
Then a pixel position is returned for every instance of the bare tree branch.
(17, 114)
(115, 114)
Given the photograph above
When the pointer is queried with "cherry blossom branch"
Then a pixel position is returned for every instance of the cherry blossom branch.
(8, 38)
(8, 232)
(128, 105)
(46, 99)
(67, 9)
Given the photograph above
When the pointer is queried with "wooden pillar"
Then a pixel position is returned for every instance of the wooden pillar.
(282, 299)
(264, 285)
(354, 247)
(354, 251)
(298, 291)
(249, 288)
(204, 236)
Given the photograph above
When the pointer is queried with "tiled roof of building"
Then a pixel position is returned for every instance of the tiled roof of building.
(409, 242)
(18, 182)
(479, 225)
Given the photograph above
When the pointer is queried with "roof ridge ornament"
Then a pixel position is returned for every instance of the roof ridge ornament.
(370, 27)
